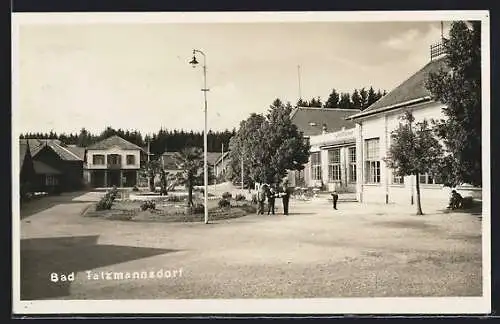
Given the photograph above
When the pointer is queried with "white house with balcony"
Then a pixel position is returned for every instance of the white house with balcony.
(377, 182)
(113, 162)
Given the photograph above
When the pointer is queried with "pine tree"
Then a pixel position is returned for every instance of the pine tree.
(333, 100)
(356, 100)
(372, 97)
(345, 101)
(363, 94)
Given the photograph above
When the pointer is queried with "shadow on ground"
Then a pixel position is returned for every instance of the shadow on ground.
(41, 257)
(475, 210)
(409, 224)
(38, 205)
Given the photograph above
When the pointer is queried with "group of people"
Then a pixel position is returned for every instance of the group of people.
(270, 193)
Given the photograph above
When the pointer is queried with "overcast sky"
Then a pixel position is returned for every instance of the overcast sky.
(137, 76)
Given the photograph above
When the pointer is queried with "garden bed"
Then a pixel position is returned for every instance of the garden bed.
(171, 211)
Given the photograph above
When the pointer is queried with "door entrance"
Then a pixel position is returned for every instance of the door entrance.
(114, 178)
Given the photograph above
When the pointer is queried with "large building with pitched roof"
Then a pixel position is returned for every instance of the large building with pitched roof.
(113, 161)
(376, 181)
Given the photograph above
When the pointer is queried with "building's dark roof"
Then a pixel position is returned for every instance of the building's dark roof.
(112, 141)
(37, 144)
(225, 155)
(310, 120)
(23, 151)
(77, 150)
(412, 88)
(42, 168)
(169, 162)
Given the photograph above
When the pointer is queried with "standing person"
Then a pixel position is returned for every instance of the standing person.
(285, 197)
(261, 198)
(271, 197)
(335, 198)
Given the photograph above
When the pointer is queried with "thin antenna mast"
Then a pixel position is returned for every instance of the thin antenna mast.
(298, 75)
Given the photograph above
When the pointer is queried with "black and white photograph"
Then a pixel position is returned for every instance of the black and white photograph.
(251, 162)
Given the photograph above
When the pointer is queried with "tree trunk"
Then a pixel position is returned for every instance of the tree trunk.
(152, 183)
(190, 193)
(419, 206)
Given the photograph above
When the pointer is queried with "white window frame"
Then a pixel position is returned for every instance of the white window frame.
(316, 166)
(352, 164)
(372, 161)
(334, 173)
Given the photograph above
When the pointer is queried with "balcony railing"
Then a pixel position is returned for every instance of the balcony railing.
(114, 165)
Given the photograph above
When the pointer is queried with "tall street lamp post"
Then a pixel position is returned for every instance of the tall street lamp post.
(194, 62)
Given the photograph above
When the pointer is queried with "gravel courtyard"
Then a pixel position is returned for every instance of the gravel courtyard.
(358, 250)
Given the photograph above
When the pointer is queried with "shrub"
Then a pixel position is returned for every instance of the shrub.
(240, 197)
(198, 209)
(174, 198)
(227, 195)
(135, 188)
(105, 203)
(148, 204)
(112, 194)
(224, 203)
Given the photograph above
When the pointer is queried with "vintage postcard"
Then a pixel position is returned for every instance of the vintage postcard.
(251, 162)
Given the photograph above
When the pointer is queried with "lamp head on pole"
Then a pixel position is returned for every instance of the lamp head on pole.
(194, 61)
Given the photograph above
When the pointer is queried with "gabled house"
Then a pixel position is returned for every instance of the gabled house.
(376, 181)
(58, 168)
(113, 161)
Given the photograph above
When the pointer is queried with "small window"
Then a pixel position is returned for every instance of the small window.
(397, 179)
(429, 179)
(130, 159)
(98, 159)
(114, 159)
(51, 180)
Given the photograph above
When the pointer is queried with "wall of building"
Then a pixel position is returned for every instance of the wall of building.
(114, 150)
(381, 126)
(323, 143)
(72, 171)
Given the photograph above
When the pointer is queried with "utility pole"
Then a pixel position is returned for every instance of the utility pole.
(242, 172)
(298, 75)
(194, 62)
(148, 166)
